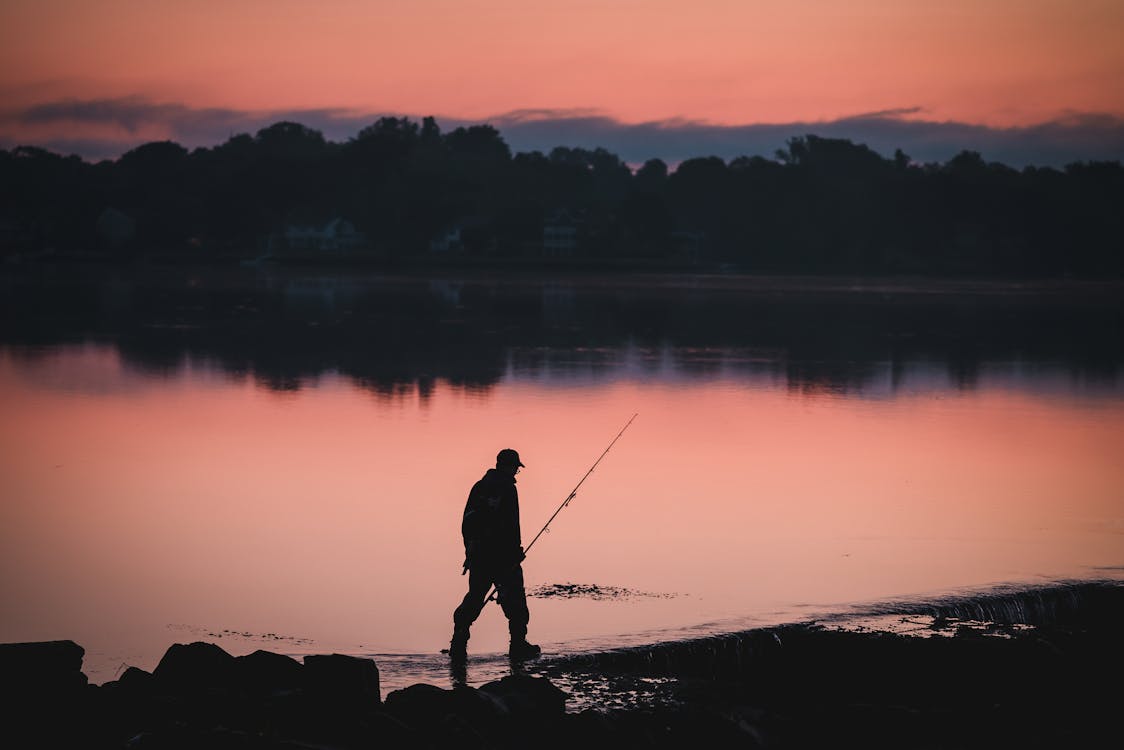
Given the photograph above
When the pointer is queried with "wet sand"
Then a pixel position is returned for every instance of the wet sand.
(1030, 668)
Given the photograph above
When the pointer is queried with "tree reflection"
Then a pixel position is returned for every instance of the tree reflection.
(387, 334)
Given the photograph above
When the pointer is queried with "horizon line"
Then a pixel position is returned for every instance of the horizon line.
(117, 125)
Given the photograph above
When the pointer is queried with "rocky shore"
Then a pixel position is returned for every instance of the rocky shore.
(1038, 669)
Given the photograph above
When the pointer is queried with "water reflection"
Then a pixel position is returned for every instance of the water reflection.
(398, 336)
(288, 454)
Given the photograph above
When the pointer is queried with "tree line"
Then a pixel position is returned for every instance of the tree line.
(820, 205)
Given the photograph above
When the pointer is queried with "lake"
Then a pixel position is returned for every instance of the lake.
(272, 458)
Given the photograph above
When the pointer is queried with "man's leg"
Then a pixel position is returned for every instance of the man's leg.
(513, 600)
(479, 583)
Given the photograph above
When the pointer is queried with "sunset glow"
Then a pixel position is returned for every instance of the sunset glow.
(1000, 64)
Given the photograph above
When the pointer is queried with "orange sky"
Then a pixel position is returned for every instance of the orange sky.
(995, 62)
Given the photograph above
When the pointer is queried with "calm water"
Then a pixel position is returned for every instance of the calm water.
(279, 460)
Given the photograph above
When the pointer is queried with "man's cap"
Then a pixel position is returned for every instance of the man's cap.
(508, 457)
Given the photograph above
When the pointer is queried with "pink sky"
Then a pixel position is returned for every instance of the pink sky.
(727, 61)
(999, 63)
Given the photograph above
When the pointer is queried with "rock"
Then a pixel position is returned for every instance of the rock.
(461, 717)
(195, 667)
(133, 681)
(45, 667)
(527, 697)
(43, 694)
(267, 673)
(423, 705)
(124, 705)
(134, 677)
(347, 681)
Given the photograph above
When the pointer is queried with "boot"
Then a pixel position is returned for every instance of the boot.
(521, 650)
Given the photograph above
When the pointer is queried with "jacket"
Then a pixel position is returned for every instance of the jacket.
(490, 525)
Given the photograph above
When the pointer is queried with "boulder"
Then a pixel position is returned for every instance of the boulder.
(347, 681)
(195, 667)
(527, 697)
(267, 673)
(43, 694)
(421, 705)
(44, 667)
(133, 681)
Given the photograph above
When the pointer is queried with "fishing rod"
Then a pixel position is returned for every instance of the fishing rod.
(573, 493)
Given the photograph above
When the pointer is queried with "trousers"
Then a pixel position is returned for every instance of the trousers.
(508, 580)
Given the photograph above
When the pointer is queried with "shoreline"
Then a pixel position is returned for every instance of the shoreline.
(656, 275)
(1035, 667)
(402, 667)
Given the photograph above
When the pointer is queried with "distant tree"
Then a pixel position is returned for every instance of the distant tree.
(479, 142)
(822, 205)
(1094, 229)
(153, 186)
(831, 154)
(479, 167)
(50, 201)
(389, 140)
(234, 213)
(699, 193)
(652, 176)
(291, 141)
(153, 158)
(612, 179)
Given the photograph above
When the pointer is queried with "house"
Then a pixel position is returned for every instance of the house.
(448, 241)
(560, 234)
(338, 235)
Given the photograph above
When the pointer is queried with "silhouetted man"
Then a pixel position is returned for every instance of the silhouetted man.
(493, 553)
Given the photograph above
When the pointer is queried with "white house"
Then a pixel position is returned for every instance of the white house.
(448, 241)
(560, 234)
(335, 236)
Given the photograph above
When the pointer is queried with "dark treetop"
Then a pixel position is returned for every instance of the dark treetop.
(402, 192)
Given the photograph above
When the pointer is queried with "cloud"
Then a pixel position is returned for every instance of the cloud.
(1077, 137)
(105, 128)
(193, 126)
(130, 113)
